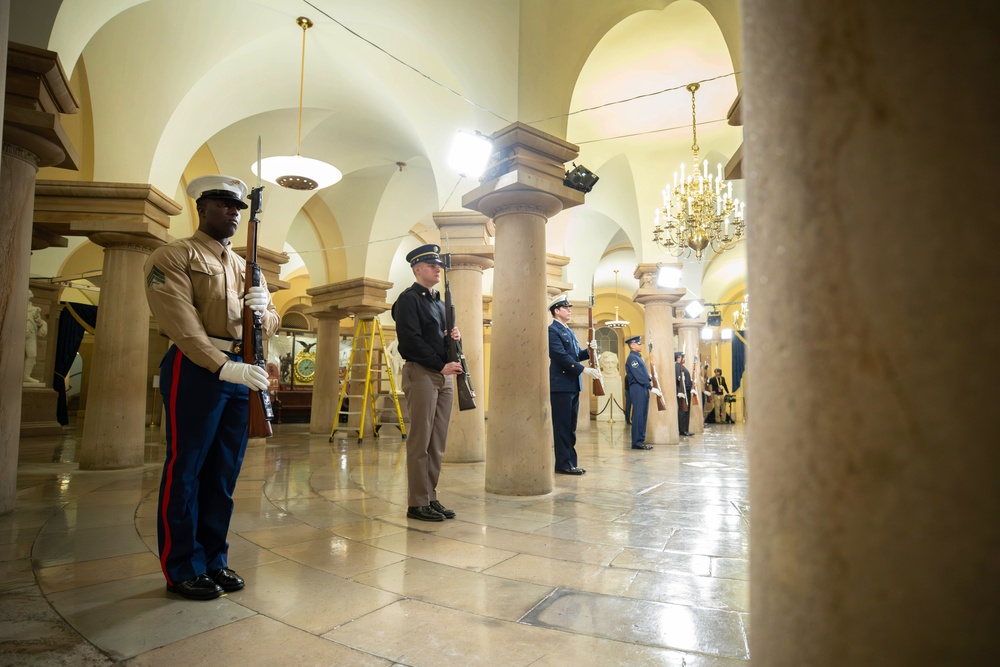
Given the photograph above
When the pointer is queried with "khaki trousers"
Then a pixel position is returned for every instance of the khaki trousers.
(429, 397)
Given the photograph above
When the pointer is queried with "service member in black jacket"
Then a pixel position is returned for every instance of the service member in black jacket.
(683, 377)
(420, 330)
(565, 383)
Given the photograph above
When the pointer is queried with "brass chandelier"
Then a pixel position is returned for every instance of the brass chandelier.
(699, 209)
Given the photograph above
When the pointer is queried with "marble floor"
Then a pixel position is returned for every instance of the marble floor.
(642, 561)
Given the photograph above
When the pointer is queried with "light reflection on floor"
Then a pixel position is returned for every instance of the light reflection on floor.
(642, 561)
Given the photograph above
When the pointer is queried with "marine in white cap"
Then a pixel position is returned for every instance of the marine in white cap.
(196, 290)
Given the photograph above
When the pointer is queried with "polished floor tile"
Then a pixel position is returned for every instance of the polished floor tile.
(642, 561)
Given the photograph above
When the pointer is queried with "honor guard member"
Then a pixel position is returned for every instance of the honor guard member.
(683, 377)
(195, 288)
(429, 389)
(637, 388)
(565, 383)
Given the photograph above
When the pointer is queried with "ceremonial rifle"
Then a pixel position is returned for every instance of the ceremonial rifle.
(598, 384)
(466, 394)
(261, 411)
(660, 403)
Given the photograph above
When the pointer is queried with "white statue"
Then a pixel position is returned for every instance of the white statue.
(35, 328)
(612, 380)
(396, 362)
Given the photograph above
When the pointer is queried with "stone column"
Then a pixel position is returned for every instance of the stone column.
(689, 333)
(129, 220)
(555, 273)
(522, 188)
(326, 385)
(364, 298)
(468, 237)
(661, 427)
(873, 476)
(37, 93)
(115, 423)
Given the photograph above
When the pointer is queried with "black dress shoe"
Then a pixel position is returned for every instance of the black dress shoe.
(227, 580)
(197, 588)
(442, 510)
(571, 471)
(643, 446)
(424, 513)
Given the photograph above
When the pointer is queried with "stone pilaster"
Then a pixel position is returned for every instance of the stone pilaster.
(37, 93)
(521, 189)
(662, 427)
(364, 299)
(689, 335)
(467, 236)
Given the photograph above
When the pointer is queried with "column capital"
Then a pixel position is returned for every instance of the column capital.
(270, 262)
(658, 295)
(123, 241)
(359, 296)
(37, 93)
(472, 262)
(697, 323)
(465, 227)
(554, 269)
(525, 162)
(328, 313)
(74, 208)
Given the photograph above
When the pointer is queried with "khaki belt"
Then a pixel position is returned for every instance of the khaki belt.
(226, 345)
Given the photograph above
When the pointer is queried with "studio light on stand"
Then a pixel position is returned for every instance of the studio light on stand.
(294, 171)
(580, 178)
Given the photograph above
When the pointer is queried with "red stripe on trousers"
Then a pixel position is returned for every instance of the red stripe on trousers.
(170, 468)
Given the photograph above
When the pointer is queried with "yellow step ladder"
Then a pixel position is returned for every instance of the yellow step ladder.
(363, 354)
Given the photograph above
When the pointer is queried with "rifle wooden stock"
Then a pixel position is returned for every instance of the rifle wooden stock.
(466, 393)
(661, 405)
(598, 384)
(261, 411)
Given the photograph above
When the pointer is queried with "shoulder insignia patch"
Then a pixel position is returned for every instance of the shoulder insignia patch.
(635, 364)
(155, 279)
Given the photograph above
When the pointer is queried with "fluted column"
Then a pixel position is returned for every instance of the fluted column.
(468, 237)
(521, 190)
(873, 476)
(32, 138)
(326, 384)
(115, 423)
(662, 426)
(689, 334)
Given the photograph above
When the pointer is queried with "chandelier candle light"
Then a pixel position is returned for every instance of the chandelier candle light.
(699, 209)
(294, 171)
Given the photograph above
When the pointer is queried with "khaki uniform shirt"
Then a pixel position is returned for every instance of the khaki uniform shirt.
(195, 288)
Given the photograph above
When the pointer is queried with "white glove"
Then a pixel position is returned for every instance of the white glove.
(656, 392)
(257, 299)
(592, 372)
(247, 375)
(593, 344)
(680, 394)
